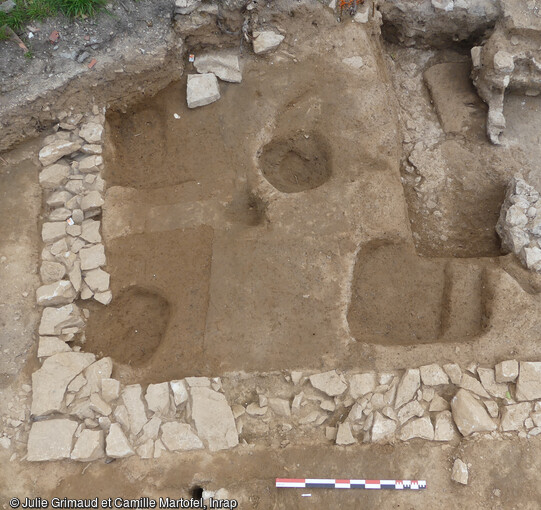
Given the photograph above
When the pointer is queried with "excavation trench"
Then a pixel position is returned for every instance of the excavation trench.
(272, 225)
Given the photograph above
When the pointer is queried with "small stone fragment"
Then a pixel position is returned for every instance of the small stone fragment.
(213, 418)
(77, 215)
(296, 377)
(159, 399)
(89, 446)
(76, 384)
(146, 450)
(433, 375)
(180, 393)
(97, 280)
(117, 445)
(90, 164)
(476, 52)
(53, 231)
(311, 417)
(489, 383)
(506, 371)
(110, 389)
(103, 297)
(470, 415)
(54, 176)
(50, 345)
(58, 198)
(329, 382)
(60, 214)
(280, 406)
(471, 384)
(120, 414)
(179, 436)
(99, 406)
(420, 428)
(131, 396)
(92, 257)
(254, 409)
(407, 387)
(224, 64)
(428, 394)
(529, 381)
(454, 372)
(86, 293)
(265, 41)
(55, 150)
(410, 410)
(330, 433)
(361, 384)
(90, 148)
(460, 472)
(151, 428)
(73, 230)
(91, 132)
(444, 429)
(382, 428)
(90, 230)
(328, 405)
(492, 408)
(58, 293)
(202, 89)
(50, 440)
(92, 200)
(75, 276)
(513, 416)
(51, 271)
(344, 436)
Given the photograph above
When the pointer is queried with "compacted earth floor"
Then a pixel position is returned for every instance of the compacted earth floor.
(291, 225)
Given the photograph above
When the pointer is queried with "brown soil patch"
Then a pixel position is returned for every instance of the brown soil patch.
(156, 321)
(401, 298)
(131, 328)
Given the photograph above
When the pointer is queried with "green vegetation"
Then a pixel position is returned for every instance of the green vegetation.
(26, 11)
(4, 36)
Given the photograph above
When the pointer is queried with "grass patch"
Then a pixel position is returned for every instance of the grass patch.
(4, 36)
(26, 11)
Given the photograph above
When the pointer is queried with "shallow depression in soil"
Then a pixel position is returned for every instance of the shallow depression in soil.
(297, 163)
(401, 298)
(135, 324)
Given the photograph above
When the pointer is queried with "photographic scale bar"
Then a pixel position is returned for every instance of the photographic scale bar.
(324, 483)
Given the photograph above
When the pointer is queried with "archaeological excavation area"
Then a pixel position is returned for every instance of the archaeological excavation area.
(272, 255)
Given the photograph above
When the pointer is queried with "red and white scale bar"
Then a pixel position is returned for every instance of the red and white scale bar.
(326, 483)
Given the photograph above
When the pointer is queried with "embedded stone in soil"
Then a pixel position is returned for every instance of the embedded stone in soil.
(297, 163)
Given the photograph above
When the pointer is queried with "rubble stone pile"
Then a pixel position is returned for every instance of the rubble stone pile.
(509, 60)
(73, 254)
(519, 225)
(81, 413)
